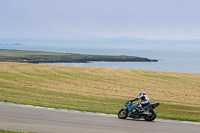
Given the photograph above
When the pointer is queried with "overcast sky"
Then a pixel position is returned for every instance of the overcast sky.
(154, 19)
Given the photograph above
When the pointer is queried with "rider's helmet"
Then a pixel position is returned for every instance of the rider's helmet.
(142, 94)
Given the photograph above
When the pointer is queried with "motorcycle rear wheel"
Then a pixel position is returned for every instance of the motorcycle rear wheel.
(123, 114)
(151, 116)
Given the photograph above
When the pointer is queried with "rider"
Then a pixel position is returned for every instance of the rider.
(145, 101)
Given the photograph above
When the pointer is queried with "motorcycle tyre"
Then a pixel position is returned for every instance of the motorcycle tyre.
(153, 116)
(125, 116)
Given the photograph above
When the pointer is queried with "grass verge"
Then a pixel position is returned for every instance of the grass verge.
(4, 131)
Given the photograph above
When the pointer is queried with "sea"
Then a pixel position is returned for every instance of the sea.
(182, 59)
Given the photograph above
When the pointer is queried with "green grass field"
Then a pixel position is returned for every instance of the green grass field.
(101, 90)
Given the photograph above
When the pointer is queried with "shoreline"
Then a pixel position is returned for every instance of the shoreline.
(37, 57)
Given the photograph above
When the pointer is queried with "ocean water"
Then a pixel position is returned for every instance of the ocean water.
(184, 59)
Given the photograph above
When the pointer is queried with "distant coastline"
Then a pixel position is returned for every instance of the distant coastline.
(10, 44)
(52, 57)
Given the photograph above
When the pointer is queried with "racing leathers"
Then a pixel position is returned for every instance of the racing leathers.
(144, 101)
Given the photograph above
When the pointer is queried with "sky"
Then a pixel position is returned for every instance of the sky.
(152, 19)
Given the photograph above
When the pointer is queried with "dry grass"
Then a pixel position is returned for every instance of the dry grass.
(19, 79)
(176, 88)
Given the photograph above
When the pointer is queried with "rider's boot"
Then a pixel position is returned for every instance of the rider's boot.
(145, 112)
(140, 109)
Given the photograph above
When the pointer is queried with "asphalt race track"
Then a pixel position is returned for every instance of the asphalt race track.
(46, 120)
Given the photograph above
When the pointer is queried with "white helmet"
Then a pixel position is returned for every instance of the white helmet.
(142, 94)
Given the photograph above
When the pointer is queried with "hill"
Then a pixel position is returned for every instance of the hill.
(105, 42)
(99, 89)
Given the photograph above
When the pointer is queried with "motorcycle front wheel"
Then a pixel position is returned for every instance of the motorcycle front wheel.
(151, 116)
(123, 113)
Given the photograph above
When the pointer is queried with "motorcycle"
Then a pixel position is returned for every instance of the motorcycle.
(132, 111)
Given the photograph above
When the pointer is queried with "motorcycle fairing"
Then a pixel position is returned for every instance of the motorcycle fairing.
(153, 105)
